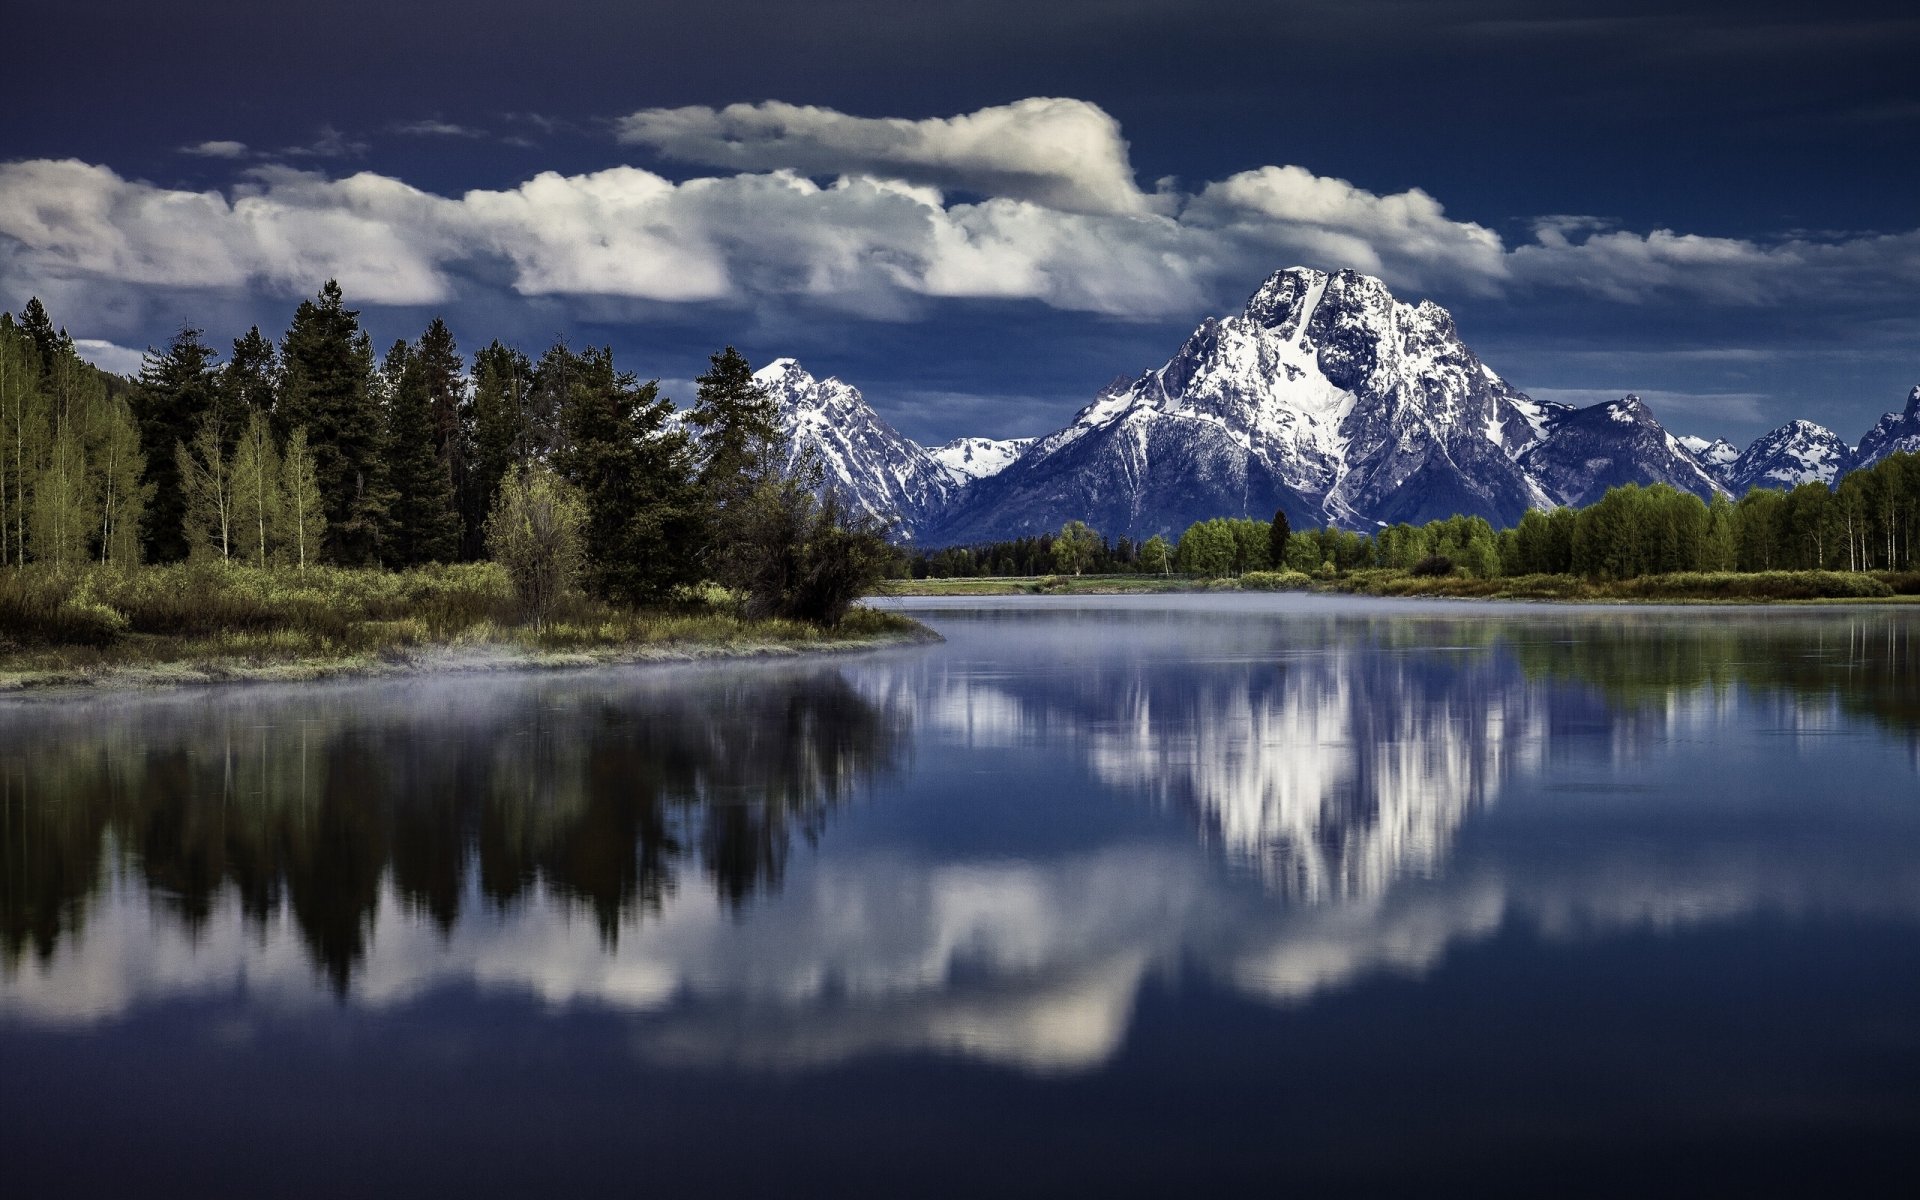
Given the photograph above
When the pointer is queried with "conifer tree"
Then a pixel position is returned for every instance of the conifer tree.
(206, 475)
(424, 526)
(304, 508)
(443, 374)
(328, 388)
(635, 476)
(1278, 534)
(177, 390)
(122, 498)
(247, 382)
(47, 342)
(259, 508)
(741, 455)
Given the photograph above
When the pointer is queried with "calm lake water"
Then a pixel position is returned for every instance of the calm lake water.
(1145, 896)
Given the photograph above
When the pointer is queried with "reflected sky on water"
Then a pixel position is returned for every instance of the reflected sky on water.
(1150, 891)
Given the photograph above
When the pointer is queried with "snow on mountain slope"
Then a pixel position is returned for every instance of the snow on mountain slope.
(1796, 453)
(1716, 455)
(969, 459)
(1325, 397)
(1588, 450)
(1893, 433)
(872, 464)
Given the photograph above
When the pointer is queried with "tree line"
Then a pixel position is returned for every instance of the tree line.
(315, 449)
(1865, 523)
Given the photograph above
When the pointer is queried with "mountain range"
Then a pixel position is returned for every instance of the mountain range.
(1325, 397)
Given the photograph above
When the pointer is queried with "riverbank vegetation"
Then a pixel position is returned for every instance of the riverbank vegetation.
(1653, 543)
(304, 502)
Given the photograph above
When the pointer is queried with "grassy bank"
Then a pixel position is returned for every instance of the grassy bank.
(194, 623)
(1727, 587)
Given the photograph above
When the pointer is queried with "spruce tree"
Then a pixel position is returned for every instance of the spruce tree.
(327, 388)
(247, 382)
(177, 389)
(741, 455)
(47, 341)
(1278, 535)
(443, 373)
(635, 475)
(423, 524)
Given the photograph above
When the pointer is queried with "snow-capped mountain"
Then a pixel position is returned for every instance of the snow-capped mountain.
(1325, 397)
(1328, 398)
(1796, 453)
(870, 462)
(972, 458)
(1893, 433)
(1585, 451)
(1716, 455)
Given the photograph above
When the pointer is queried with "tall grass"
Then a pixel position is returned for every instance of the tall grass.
(74, 621)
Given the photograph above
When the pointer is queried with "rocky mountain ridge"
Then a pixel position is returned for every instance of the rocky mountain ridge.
(1325, 397)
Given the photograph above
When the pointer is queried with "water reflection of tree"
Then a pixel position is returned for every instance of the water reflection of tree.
(599, 795)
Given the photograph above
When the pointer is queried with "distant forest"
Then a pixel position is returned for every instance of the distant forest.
(1866, 524)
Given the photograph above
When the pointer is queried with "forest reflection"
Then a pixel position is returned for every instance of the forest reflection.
(601, 796)
(1333, 755)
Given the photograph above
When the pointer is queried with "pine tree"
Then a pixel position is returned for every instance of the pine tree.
(1278, 534)
(741, 456)
(443, 373)
(206, 475)
(259, 508)
(247, 382)
(305, 509)
(328, 388)
(423, 524)
(122, 498)
(47, 342)
(635, 476)
(177, 390)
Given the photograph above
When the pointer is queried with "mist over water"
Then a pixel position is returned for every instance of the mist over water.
(1141, 893)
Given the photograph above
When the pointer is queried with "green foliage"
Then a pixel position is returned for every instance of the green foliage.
(1074, 547)
(1156, 557)
(1205, 549)
(534, 533)
(304, 510)
(644, 510)
(178, 393)
(206, 481)
(423, 523)
(259, 501)
(328, 389)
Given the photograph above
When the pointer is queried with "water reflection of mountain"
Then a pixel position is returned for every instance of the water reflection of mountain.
(1401, 787)
(600, 794)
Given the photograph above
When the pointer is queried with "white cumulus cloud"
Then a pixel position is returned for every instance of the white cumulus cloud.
(1062, 153)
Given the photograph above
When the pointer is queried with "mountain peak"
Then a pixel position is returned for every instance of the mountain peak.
(1913, 400)
(783, 369)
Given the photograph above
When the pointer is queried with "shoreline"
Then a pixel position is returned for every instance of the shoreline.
(1644, 592)
(438, 659)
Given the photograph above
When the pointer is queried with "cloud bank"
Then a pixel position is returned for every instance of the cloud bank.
(1032, 201)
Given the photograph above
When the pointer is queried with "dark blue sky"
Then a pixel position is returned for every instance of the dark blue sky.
(1715, 205)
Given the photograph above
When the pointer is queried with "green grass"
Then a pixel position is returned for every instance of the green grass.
(169, 624)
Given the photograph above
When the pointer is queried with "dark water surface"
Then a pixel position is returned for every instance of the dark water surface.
(1136, 896)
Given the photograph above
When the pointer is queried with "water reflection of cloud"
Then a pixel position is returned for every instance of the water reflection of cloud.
(1343, 777)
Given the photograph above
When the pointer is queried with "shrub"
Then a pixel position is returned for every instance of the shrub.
(1273, 581)
(534, 532)
(1432, 566)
